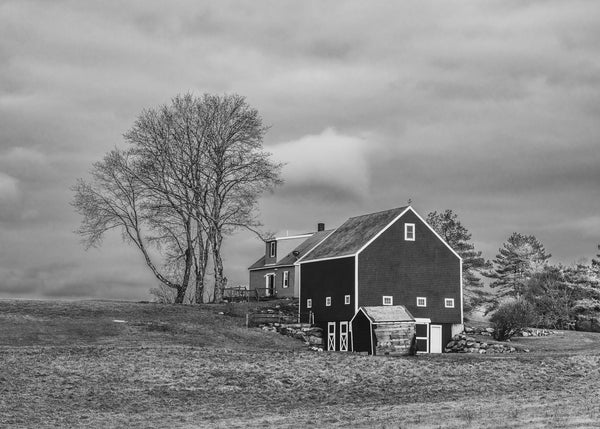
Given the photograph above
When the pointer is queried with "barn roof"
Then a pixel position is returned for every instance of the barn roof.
(300, 250)
(357, 231)
(388, 313)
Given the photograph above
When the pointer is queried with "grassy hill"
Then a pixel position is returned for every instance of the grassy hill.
(120, 364)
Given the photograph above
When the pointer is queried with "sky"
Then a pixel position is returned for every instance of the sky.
(488, 108)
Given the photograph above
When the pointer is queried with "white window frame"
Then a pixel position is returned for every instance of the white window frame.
(347, 299)
(286, 279)
(328, 301)
(272, 249)
(449, 302)
(309, 303)
(424, 304)
(409, 232)
(388, 298)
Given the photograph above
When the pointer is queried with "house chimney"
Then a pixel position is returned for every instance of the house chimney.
(320, 227)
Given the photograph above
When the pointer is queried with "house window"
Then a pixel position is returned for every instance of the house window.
(272, 249)
(286, 278)
(421, 301)
(328, 301)
(388, 300)
(309, 303)
(409, 231)
(449, 302)
(347, 299)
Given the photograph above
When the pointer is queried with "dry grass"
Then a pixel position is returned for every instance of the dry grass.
(71, 365)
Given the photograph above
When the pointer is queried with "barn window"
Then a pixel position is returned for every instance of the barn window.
(409, 231)
(449, 302)
(388, 300)
(328, 301)
(309, 303)
(347, 299)
(421, 301)
(286, 278)
(272, 249)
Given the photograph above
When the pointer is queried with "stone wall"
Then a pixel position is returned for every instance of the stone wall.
(311, 335)
(394, 339)
(461, 343)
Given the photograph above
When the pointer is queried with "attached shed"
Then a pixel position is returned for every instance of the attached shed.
(383, 330)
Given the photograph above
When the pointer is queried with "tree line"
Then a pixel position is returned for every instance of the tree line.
(526, 290)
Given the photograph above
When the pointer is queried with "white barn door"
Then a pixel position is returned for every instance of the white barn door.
(343, 336)
(435, 345)
(330, 336)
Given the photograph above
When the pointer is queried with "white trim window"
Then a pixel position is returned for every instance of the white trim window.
(309, 303)
(272, 249)
(388, 300)
(328, 301)
(421, 301)
(286, 279)
(449, 302)
(347, 299)
(409, 231)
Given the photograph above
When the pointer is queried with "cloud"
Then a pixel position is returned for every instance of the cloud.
(8, 187)
(327, 163)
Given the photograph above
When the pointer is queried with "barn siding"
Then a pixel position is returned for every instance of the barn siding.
(408, 269)
(334, 278)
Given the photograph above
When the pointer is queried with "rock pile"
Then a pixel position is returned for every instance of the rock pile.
(525, 332)
(311, 335)
(461, 343)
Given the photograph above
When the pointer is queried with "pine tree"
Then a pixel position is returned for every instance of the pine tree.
(519, 258)
(448, 226)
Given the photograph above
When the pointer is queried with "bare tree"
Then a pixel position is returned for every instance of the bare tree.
(192, 174)
(237, 171)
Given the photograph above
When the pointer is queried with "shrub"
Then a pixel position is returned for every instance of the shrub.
(510, 318)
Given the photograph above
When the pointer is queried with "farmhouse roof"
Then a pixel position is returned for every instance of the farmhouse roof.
(299, 251)
(388, 313)
(357, 231)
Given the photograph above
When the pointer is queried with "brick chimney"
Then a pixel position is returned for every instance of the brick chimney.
(320, 227)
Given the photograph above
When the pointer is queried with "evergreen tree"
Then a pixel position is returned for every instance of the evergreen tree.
(448, 226)
(519, 258)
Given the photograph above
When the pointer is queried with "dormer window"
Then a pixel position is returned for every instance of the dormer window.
(409, 231)
(272, 249)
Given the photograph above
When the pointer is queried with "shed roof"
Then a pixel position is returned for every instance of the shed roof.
(388, 313)
(354, 234)
(300, 250)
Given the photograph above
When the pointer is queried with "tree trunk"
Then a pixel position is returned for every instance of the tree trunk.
(220, 281)
(180, 294)
(203, 249)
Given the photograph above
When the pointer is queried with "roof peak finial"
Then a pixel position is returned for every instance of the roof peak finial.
(409, 201)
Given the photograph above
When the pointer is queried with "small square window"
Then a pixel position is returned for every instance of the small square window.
(409, 231)
(286, 279)
(388, 300)
(421, 301)
(449, 302)
(328, 301)
(347, 299)
(272, 249)
(309, 303)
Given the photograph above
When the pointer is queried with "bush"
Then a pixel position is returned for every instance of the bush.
(510, 318)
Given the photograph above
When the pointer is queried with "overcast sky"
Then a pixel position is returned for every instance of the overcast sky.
(490, 108)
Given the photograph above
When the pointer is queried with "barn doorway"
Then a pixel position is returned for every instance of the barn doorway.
(343, 336)
(270, 285)
(330, 336)
(435, 339)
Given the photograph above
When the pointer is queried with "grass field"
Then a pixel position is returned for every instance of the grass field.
(118, 364)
